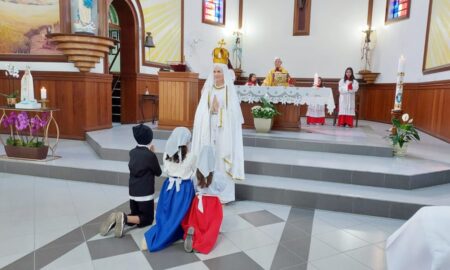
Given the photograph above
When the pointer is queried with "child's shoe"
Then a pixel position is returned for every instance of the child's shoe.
(188, 242)
(108, 224)
(120, 224)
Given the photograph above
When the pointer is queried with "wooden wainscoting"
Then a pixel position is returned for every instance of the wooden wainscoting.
(428, 103)
(84, 99)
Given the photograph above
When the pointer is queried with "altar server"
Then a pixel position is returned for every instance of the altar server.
(348, 86)
(316, 112)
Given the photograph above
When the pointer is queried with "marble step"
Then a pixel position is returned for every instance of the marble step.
(305, 193)
(306, 141)
(388, 172)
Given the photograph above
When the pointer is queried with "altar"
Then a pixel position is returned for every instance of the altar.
(287, 100)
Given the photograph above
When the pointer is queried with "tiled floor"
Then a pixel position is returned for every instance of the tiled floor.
(52, 224)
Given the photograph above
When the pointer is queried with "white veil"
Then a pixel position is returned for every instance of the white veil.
(233, 127)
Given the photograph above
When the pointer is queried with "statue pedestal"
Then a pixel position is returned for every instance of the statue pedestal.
(28, 105)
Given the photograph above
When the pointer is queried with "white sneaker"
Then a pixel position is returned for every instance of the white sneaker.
(108, 224)
(120, 224)
(189, 241)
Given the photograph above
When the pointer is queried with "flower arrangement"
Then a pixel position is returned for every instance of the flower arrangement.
(25, 130)
(266, 111)
(403, 131)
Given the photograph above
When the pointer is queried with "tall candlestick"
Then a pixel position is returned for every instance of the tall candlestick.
(401, 64)
(399, 87)
(43, 93)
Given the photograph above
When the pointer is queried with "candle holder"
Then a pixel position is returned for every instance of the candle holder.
(44, 103)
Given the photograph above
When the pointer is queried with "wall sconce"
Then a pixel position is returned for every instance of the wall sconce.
(149, 41)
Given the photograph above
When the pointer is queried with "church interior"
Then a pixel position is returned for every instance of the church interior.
(330, 120)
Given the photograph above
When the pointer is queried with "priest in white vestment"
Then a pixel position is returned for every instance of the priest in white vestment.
(218, 122)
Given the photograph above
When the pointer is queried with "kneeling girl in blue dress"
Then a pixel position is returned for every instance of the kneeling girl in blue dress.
(176, 194)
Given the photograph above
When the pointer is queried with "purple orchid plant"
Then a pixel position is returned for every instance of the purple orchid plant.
(25, 130)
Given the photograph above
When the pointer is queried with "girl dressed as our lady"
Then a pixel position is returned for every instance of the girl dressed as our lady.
(218, 122)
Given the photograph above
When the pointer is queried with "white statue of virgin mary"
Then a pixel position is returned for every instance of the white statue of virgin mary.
(218, 122)
(27, 87)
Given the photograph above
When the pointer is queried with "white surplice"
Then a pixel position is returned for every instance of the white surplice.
(347, 97)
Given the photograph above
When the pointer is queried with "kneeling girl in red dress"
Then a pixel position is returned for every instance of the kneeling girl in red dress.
(202, 223)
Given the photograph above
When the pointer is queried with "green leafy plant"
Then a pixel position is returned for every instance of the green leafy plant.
(404, 131)
(267, 110)
(14, 94)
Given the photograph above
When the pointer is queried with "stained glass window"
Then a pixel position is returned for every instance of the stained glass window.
(214, 12)
(397, 10)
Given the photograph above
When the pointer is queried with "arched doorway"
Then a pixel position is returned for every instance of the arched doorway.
(126, 65)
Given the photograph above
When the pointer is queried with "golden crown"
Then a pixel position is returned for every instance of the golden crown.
(221, 54)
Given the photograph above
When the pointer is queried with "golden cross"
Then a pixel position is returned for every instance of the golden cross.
(221, 42)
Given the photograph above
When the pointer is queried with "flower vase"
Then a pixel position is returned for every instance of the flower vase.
(400, 151)
(262, 125)
(36, 153)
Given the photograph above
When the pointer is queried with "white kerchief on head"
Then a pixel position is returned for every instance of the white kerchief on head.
(180, 136)
(206, 160)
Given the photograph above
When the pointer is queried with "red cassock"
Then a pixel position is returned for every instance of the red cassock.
(206, 225)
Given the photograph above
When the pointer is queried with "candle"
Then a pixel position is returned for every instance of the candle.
(399, 87)
(43, 93)
(316, 79)
(401, 64)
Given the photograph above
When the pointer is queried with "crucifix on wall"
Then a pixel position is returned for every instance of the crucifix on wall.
(302, 16)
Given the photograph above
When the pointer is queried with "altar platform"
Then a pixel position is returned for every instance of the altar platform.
(321, 167)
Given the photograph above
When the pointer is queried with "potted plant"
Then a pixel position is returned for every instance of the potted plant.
(11, 99)
(26, 138)
(11, 73)
(402, 132)
(263, 116)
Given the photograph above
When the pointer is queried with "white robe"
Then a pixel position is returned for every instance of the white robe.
(347, 97)
(423, 242)
(224, 131)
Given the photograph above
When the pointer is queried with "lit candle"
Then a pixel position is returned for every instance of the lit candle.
(43, 93)
(401, 64)
(316, 79)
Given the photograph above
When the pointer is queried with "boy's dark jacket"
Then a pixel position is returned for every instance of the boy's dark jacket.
(144, 166)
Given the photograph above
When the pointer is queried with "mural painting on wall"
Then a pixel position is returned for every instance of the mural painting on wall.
(84, 16)
(24, 25)
(437, 49)
(163, 19)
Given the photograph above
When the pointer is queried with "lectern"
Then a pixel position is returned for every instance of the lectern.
(178, 99)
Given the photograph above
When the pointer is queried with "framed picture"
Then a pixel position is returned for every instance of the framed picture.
(213, 12)
(164, 20)
(436, 56)
(397, 10)
(84, 15)
(24, 36)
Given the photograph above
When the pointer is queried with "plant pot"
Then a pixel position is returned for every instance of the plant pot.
(262, 125)
(26, 152)
(400, 151)
(11, 101)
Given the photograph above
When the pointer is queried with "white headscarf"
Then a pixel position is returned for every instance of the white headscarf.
(180, 136)
(206, 160)
(228, 77)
